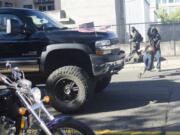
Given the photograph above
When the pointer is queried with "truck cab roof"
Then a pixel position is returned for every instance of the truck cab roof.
(17, 10)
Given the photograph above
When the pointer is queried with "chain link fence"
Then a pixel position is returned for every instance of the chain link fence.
(168, 31)
(170, 35)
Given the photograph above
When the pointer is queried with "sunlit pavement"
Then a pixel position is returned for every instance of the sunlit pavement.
(150, 105)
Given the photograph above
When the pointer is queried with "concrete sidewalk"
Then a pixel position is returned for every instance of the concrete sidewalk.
(168, 63)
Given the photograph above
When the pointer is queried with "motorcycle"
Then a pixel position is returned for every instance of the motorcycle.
(22, 109)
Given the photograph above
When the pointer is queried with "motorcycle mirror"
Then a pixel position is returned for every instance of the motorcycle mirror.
(8, 64)
(17, 73)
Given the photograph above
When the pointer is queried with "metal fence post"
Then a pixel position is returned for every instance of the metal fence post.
(130, 45)
(174, 39)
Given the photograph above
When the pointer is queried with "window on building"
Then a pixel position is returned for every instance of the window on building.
(171, 1)
(1, 4)
(42, 8)
(28, 6)
(50, 7)
(164, 1)
(8, 4)
(44, 1)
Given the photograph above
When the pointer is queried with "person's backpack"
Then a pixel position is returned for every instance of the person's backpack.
(140, 38)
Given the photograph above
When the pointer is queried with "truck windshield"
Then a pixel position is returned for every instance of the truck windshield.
(44, 22)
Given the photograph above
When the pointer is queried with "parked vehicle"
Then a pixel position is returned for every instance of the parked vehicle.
(22, 107)
(73, 64)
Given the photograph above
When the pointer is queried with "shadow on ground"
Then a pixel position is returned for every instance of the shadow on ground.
(141, 105)
(128, 95)
(137, 105)
(134, 105)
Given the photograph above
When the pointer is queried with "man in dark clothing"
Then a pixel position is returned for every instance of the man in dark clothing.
(135, 39)
(149, 34)
(156, 38)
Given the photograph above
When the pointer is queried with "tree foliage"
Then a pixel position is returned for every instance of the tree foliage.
(164, 16)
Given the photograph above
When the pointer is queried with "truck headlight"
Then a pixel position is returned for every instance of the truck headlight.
(101, 47)
(102, 43)
(36, 92)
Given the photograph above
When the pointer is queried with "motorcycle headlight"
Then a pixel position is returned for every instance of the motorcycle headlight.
(36, 92)
(102, 43)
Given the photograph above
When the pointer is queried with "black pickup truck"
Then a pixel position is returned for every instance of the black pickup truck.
(74, 64)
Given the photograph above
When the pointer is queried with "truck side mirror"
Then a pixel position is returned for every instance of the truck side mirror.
(27, 30)
(13, 27)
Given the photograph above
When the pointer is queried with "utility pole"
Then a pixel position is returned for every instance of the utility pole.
(120, 19)
(57, 4)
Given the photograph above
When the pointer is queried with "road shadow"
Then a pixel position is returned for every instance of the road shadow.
(128, 95)
(131, 105)
(134, 105)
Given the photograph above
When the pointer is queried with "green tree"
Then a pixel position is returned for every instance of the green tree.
(173, 16)
(162, 14)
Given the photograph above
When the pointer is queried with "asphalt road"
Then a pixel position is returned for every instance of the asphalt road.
(151, 103)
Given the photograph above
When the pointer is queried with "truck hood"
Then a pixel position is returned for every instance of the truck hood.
(72, 36)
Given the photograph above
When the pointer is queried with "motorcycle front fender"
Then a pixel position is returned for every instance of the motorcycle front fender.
(58, 120)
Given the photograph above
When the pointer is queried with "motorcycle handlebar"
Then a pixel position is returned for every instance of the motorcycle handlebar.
(4, 79)
(16, 75)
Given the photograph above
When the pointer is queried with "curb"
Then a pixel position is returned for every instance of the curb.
(167, 64)
(119, 132)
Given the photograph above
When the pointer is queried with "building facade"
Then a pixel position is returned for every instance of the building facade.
(100, 12)
(7, 3)
(169, 5)
(42, 5)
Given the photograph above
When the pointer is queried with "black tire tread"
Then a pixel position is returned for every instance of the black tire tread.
(73, 71)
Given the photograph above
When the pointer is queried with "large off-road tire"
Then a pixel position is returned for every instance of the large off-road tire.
(71, 127)
(102, 83)
(69, 88)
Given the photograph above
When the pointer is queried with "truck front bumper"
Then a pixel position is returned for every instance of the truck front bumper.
(110, 63)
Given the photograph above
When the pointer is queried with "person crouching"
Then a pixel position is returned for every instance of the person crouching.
(148, 59)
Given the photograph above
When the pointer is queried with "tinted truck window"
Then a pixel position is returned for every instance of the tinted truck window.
(3, 21)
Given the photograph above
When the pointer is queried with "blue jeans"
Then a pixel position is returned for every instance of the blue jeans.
(148, 59)
(158, 58)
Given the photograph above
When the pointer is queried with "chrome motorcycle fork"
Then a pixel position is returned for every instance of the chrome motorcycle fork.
(51, 117)
(42, 124)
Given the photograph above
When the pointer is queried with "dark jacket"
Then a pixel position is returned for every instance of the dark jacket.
(156, 38)
(149, 33)
(136, 37)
